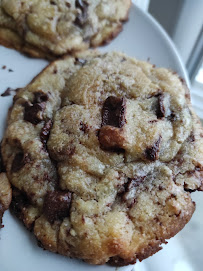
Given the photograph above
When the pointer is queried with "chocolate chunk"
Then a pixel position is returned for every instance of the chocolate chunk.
(84, 127)
(126, 192)
(57, 205)
(19, 161)
(160, 112)
(113, 112)
(152, 153)
(19, 201)
(82, 17)
(8, 92)
(34, 111)
(80, 61)
(44, 135)
(113, 117)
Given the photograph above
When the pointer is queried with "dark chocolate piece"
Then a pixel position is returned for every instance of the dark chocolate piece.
(34, 111)
(57, 205)
(19, 201)
(82, 17)
(19, 161)
(128, 187)
(160, 112)
(113, 112)
(151, 153)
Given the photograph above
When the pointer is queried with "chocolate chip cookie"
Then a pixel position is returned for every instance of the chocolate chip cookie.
(103, 152)
(51, 28)
(5, 192)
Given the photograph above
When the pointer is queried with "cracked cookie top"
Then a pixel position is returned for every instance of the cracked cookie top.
(51, 28)
(103, 152)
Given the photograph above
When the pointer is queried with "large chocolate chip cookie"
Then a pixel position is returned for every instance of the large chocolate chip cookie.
(51, 28)
(103, 152)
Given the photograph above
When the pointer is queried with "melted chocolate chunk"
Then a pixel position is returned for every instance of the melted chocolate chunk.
(57, 205)
(19, 161)
(151, 153)
(82, 17)
(113, 112)
(160, 112)
(44, 135)
(34, 112)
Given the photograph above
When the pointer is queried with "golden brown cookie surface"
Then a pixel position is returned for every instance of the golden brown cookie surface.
(103, 152)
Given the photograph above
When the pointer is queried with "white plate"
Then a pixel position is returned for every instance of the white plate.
(142, 38)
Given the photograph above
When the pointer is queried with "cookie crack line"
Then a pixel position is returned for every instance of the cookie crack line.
(99, 164)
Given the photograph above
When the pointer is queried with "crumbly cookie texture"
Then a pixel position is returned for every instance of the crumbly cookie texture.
(51, 28)
(103, 151)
